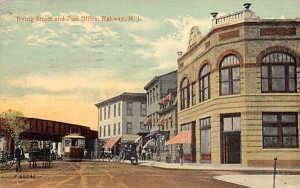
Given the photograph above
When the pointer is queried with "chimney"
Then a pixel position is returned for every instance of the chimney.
(179, 53)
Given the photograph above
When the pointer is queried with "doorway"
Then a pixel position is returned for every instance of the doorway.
(231, 147)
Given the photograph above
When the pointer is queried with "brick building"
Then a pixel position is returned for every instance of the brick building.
(238, 90)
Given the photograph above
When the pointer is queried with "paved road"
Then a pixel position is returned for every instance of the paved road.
(105, 174)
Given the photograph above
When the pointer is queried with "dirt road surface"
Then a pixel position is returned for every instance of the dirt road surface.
(106, 175)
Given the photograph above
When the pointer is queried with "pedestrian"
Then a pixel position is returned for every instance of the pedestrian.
(85, 152)
(181, 154)
(19, 155)
(143, 154)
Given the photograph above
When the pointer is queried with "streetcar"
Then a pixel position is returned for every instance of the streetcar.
(73, 146)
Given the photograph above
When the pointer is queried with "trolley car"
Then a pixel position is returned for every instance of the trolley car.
(73, 147)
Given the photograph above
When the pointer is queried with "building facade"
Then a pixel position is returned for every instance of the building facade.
(239, 90)
(156, 89)
(122, 116)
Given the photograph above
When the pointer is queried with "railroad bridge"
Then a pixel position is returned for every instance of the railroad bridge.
(49, 130)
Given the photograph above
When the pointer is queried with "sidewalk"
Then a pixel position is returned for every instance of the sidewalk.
(259, 177)
(256, 177)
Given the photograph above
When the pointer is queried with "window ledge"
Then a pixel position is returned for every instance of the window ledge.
(281, 149)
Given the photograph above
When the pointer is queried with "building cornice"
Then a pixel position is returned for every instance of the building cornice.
(140, 97)
(262, 22)
(156, 79)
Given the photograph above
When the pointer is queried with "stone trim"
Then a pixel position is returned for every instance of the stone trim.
(278, 31)
(228, 52)
(270, 163)
(229, 35)
(278, 49)
(207, 44)
(202, 64)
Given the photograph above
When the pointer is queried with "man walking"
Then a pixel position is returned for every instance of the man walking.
(19, 155)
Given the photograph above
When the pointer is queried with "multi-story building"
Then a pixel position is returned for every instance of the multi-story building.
(167, 122)
(122, 116)
(157, 88)
(239, 90)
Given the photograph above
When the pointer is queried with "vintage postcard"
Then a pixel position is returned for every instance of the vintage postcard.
(209, 88)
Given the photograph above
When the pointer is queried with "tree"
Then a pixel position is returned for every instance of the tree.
(13, 124)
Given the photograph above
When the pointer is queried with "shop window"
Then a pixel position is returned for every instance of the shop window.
(280, 130)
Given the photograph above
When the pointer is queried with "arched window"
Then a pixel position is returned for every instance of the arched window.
(185, 94)
(278, 73)
(230, 75)
(204, 83)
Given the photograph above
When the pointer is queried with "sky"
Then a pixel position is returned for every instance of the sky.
(59, 69)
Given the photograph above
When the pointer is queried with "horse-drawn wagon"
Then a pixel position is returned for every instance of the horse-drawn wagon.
(36, 154)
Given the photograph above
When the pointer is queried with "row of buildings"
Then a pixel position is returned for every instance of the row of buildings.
(234, 98)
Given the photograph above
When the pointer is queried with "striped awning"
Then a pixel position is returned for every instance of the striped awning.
(149, 144)
(111, 142)
(138, 139)
(147, 121)
(161, 121)
(184, 137)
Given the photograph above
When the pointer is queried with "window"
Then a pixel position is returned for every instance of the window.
(167, 126)
(205, 139)
(153, 94)
(100, 132)
(108, 112)
(186, 127)
(100, 114)
(129, 108)
(280, 130)
(115, 128)
(230, 75)
(115, 110)
(104, 131)
(142, 126)
(150, 96)
(108, 130)
(185, 94)
(119, 128)
(278, 73)
(143, 109)
(204, 83)
(231, 122)
(157, 97)
(104, 113)
(119, 109)
(148, 99)
(129, 128)
(193, 94)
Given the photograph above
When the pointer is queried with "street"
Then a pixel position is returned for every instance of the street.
(107, 174)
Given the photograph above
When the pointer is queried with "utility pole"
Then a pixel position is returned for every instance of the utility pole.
(274, 175)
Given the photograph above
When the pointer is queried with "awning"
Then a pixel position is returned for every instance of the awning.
(111, 142)
(147, 121)
(149, 144)
(162, 101)
(168, 97)
(161, 121)
(138, 139)
(153, 133)
(184, 137)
